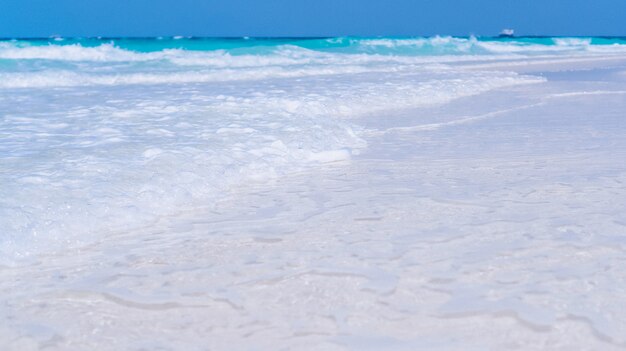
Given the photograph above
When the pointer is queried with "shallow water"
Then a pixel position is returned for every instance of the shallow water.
(409, 205)
(99, 138)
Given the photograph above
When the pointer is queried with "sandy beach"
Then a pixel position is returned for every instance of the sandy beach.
(490, 219)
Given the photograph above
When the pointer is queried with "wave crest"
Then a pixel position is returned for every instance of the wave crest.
(326, 51)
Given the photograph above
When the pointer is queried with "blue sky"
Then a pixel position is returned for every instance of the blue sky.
(27, 18)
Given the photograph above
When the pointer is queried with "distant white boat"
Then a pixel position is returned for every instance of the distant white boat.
(506, 32)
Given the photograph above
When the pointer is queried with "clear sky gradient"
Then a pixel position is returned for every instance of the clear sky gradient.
(42, 18)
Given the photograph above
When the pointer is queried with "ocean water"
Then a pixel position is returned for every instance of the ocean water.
(103, 135)
(321, 193)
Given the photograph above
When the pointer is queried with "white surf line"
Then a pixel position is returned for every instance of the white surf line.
(470, 119)
(541, 60)
(464, 120)
(583, 93)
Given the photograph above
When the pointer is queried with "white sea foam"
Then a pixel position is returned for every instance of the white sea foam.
(74, 65)
(460, 44)
(76, 172)
(75, 52)
(65, 78)
(364, 51)
(572, 42)
(102, 154)
(285, 55)
(472, 46)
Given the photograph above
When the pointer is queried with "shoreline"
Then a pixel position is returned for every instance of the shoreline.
(496, 232)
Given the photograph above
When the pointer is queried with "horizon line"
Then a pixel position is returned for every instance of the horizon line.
(304, 37)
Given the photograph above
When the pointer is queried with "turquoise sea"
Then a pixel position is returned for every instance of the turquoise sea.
(373, 45)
